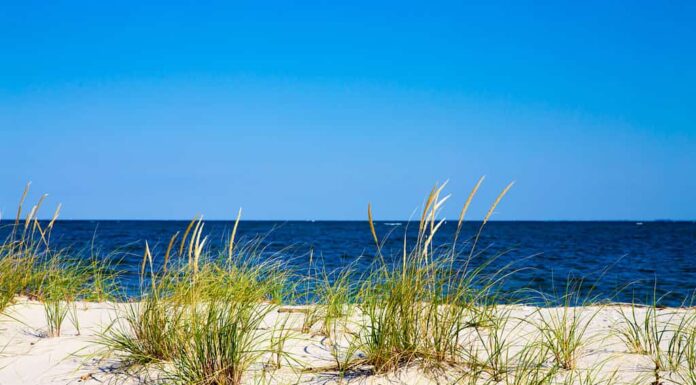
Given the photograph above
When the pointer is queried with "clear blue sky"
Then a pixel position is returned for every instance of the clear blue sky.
(310, 110)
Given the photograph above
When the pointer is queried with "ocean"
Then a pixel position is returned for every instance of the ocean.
(621, 261)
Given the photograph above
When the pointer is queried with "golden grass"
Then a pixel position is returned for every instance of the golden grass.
(200, 313)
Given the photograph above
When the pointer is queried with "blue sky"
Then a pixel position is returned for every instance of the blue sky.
(310, 110)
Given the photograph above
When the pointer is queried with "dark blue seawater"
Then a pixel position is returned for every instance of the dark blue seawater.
(545, 253)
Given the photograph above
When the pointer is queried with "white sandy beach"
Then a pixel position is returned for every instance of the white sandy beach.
(29, 357)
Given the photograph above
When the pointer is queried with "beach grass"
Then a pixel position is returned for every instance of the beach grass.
(208, 317)
(30, 267)
(666, 336)
(417, 308)
(564, 329)
(199, 314)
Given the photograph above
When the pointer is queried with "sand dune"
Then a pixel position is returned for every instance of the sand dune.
(30, 357)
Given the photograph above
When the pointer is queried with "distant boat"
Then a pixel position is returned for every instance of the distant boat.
(639, 223)
(393, 223)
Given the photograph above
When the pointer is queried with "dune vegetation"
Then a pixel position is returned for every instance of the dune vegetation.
(428, 315)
